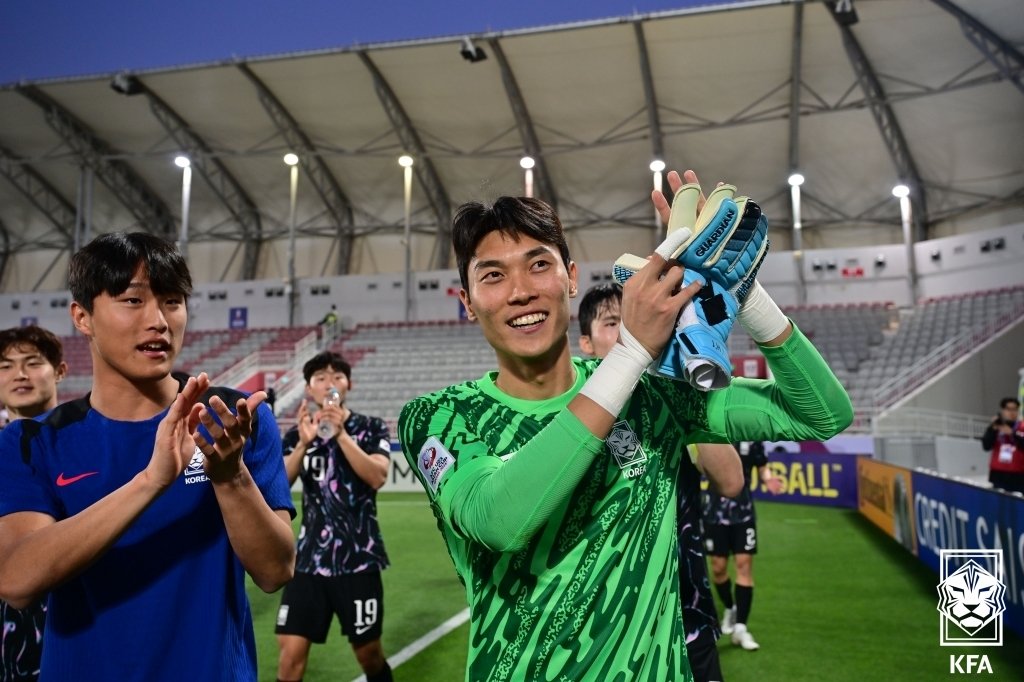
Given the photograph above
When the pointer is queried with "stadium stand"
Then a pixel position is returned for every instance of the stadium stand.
(211, 351)
(868, 344)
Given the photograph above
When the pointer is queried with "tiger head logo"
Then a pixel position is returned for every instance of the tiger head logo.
(197, 464)
(971, 597)
(625, 445)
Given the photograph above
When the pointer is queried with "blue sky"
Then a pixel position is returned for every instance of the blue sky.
(42, 39)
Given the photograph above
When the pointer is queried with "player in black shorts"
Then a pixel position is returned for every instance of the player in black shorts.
(343, 458)
(730, 527)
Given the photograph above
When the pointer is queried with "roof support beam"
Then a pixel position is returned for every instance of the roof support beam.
(120, 178)
(1004, 56)
(795, 86)
(5, 249)
(217, 175)
(651, 97)
(653, 126)
(319, 175)
(40, 193)
(531, 143)
(426, 173)
(888, 126)
(795, 81)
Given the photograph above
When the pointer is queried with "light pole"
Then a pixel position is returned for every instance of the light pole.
(795, 181)
(527, 163)
(902, 192)
(406, 161)
(185, 165)
(657, 167)
(292, 161)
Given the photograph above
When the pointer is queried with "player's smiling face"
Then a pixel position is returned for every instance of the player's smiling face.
(137, 333)
(519, 292)
(28, 382)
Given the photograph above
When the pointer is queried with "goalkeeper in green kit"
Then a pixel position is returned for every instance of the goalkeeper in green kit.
(553, 479)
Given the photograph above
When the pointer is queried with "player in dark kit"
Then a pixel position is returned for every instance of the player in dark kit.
(342, 457)
(730, 525)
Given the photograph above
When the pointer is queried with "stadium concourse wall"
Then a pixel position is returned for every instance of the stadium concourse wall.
(981, 379)
(978, 261)
(972, 384)
(927, 512)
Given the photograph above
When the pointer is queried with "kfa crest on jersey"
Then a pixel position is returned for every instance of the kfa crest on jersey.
(195, 472)
(625, 447)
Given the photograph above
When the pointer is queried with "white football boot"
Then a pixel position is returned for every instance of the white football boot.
(728, 620)
(741, 637)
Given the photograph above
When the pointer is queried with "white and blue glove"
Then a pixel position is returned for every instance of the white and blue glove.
(723, 246)
(728, 239)
(697, 352)
(701, 337)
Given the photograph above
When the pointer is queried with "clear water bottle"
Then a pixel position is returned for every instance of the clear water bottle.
(325, 429)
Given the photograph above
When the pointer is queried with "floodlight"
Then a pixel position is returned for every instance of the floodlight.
(470, 52)
(126, 84)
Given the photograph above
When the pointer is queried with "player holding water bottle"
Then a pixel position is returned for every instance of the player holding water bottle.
(343, 458)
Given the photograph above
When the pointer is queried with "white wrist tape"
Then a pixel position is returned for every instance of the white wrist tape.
(761, 316)
(612, 383)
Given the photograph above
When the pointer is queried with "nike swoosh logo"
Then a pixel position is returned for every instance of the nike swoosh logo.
(360, 630)
(61, 481)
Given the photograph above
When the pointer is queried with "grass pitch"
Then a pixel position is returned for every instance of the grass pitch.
(835, 599)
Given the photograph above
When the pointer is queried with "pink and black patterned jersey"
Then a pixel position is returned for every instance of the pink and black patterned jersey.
(700, 617)
(339, 532)
(21, 640)
(732, 511)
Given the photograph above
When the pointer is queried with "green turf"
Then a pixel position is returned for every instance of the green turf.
(421, 591)
(835, 600)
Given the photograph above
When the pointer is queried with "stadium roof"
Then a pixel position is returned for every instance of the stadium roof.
(926, 92)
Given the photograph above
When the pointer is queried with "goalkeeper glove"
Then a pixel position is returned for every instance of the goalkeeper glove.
(729, 238)
(700, 339)
(697, 351)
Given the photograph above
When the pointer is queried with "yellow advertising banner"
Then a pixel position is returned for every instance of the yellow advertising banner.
(885, 496)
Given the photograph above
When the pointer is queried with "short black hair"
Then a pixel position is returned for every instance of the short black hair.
(597, 298)
(107, 263)
(1006, 401)
(511, 216)
(326, 359)
(45, 341)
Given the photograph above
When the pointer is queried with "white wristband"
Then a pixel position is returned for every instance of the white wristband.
(761, 316)
(612, 383)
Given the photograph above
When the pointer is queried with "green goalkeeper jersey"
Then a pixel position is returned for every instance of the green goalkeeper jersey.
(566, 543)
